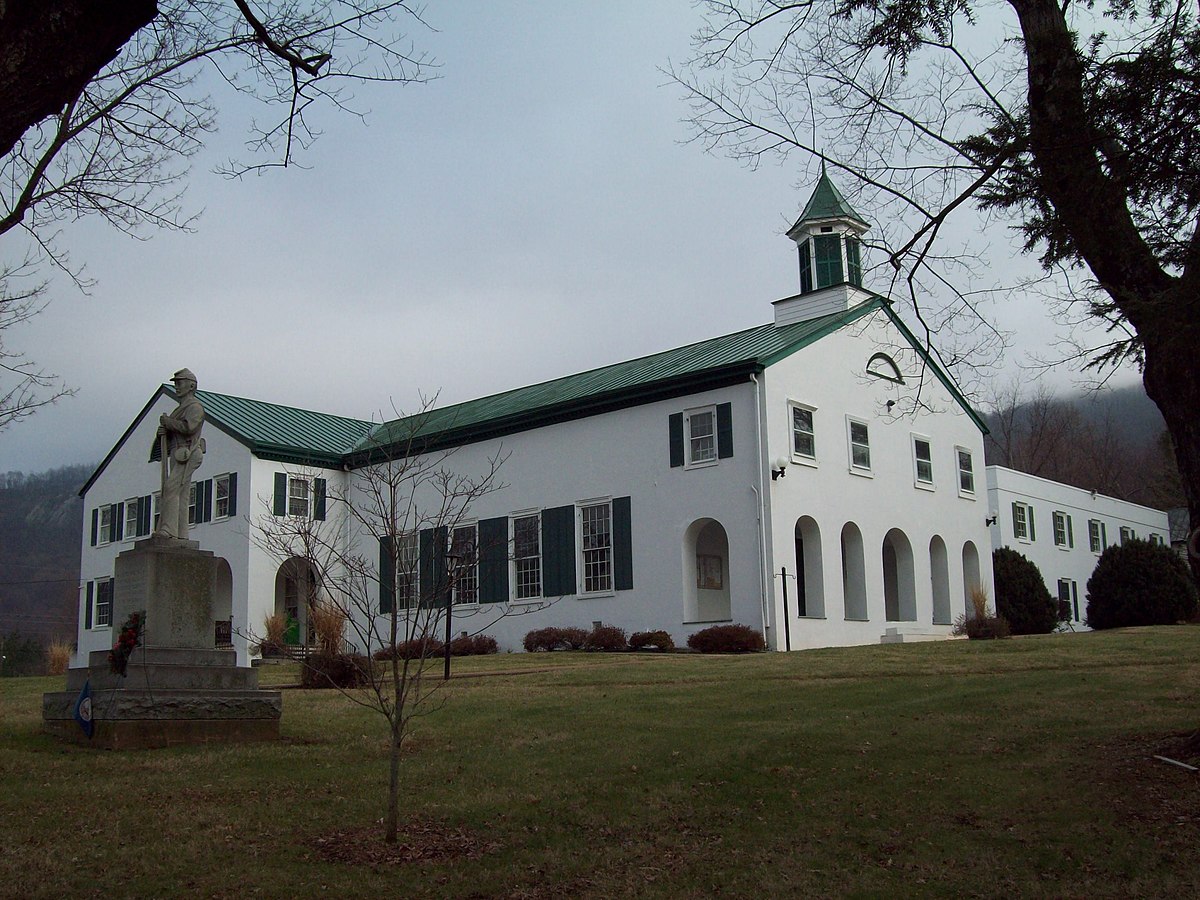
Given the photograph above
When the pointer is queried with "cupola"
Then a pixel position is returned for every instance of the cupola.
(828, 236)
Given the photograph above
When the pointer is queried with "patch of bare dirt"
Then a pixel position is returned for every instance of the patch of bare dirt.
(417, 841)
(1158, 796)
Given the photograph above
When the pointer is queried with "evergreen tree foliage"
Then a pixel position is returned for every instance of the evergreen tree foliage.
(1139, 583)
(1021, 595)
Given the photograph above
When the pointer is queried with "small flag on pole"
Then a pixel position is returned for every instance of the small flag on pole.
(83, 709)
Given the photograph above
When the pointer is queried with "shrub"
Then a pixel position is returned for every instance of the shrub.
(982, 626)
(335, 670)
(659, 640)
(1138, 583)
(426, 647)
(573, 638)
(607, 639)
(543, 639)
(58, 657)
(274, 628)
(727, 639)
(474, 645)
(1021, 595)
(329, 624)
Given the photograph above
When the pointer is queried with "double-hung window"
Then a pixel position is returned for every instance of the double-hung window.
(107, 524)
(1022, 516)
(1064, 535)
(1127, 534)
(192, 503)
(132, 509)
(408, 582)
(527, 556)
(966, 471)
(104, 598)
(221, 488)
(297, 497)
(1097, 535)
(860, 446)
(596, 540)
(463, 543)
(922, 461)
(804, 444)
(701, 427)
(1156, 539)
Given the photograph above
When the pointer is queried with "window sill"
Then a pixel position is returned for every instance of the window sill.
(707, 621)
(966, 495)
(595, 595)
(923, 486)
(811, 618)
(862, 473)
(805, 461)
(852, 619)
(707, 464)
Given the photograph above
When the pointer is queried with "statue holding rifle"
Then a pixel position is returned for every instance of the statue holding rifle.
(181, 449)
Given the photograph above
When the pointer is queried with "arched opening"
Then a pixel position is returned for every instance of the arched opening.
(899, 583)
(810, 577)
(222, 605)
(854, 573)
(706, 572)
(296, 583)
(939, 574)
(970, 560)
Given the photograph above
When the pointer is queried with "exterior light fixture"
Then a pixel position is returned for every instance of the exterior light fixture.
(990, 520)
(779, 468)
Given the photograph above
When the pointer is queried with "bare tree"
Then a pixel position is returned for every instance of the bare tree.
(24, 387)
(1079, 121)
(101, 108)
(390, 560)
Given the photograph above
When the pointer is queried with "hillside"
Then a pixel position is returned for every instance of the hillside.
(41, 521)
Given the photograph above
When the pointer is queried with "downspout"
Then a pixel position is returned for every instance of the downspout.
(762, 512)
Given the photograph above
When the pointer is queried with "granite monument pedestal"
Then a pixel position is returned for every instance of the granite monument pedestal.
(177, 689)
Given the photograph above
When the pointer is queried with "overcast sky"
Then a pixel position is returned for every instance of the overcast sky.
(535, 211)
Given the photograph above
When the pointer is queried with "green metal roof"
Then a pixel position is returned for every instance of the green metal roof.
(282, 432)
(827, 202)
(303, 437)
(711, 363)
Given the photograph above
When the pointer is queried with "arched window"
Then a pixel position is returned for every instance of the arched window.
(880, 365)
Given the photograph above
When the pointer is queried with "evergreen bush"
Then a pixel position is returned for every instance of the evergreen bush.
(1139, 583)
(1021, 595)
(607, 639)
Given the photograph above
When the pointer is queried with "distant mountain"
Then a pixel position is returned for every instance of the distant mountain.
(1112, 441)
(41, 527)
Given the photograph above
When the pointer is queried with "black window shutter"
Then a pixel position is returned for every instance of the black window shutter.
(232, 494)
(493, 560)
(675, 433)
(87, 609)
(387, 575)
(622, 544)
(95, 525)
(433, 566)
(319, 499)
(1032, 532)
(208, 504)
(724, 430)
(558, 551)
(279, 506)
(1070, 534)
(118, 521)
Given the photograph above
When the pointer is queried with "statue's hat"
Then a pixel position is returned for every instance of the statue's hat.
(183, 374)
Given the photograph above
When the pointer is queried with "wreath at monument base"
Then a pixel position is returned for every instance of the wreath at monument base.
(128, 639)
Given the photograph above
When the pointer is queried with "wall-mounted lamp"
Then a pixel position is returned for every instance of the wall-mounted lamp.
(779, 468)
(890, 404)
(990, 520)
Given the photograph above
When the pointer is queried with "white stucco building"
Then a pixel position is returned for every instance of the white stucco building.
(1064, 529)
(818, 477)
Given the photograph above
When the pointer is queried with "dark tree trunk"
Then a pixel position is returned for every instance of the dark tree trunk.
(1164, 309)
(51, 49)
